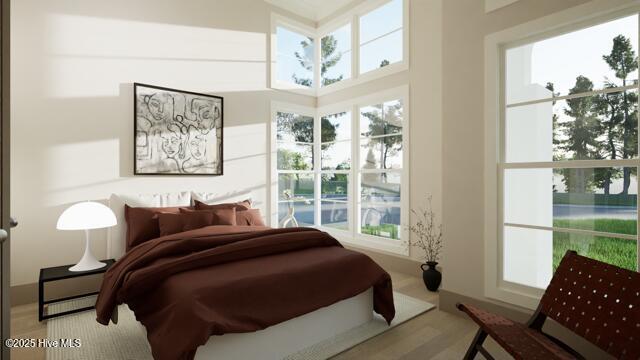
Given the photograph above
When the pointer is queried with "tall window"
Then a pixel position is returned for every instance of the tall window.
(295, 167)
(570, 151)
(344, 169)
(335, 50)
(336, 170)
(380, 171)
(295, 57)
(381, 36)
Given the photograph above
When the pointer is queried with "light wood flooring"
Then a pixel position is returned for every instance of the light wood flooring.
(433, 335)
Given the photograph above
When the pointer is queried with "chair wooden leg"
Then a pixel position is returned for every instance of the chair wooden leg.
(473, 348)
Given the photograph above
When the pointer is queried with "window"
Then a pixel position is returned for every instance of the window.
(380, 172)
(295, 58)
(295, 167)
(336, 170)
(381, 37)
(345, 51)
(344, 169)
(335, 50)
(569, 163)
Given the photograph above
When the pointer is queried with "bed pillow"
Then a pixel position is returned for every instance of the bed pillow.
(184, 221)
(251, 217)
(142, 223)
(220, 216)
(117, 235)
(239, 206)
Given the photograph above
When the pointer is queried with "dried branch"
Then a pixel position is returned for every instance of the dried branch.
(428, 234)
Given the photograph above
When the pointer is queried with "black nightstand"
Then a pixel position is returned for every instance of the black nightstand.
(61, 273)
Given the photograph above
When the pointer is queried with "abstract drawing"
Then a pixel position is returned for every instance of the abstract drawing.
(177, 132)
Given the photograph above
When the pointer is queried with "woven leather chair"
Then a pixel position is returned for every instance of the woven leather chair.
(595, 300)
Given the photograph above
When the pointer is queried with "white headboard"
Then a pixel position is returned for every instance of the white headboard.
(217, 198)
(116, 236)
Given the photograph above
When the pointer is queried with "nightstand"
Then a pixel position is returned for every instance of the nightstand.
(61, 273)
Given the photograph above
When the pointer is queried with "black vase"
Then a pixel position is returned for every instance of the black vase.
(431, 276)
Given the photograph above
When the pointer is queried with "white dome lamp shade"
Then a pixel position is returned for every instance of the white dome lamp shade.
(86, 216)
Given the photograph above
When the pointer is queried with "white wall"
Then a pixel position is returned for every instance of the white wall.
(491, 5)
(465, 26)
(424, 78)
(73, 65)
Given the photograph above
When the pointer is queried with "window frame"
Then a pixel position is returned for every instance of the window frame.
(277, 107)
(352, 236)
(304, 30)
(351, 17)
(496, 45)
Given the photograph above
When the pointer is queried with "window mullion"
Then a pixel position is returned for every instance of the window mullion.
(355, 166)
(355, 48)
(317, 165)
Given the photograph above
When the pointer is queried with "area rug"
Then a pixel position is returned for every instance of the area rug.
(127, 340)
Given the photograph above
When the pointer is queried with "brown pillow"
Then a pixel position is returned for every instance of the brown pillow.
(175, 223)
(249, 217)
(142, 223)
(240, 205)
(221, 216)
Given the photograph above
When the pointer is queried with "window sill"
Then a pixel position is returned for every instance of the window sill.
(293, 88)
(515, 294)
(344, 84)
(395, 247)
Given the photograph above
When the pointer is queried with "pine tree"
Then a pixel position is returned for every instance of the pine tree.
(608, 107)
(328, 47)
(580, 135)
(623, 61)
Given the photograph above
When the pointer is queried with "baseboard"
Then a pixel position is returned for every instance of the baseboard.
(449, 299)
(24, 294)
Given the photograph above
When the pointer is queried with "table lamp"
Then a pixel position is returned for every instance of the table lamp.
(86, 216)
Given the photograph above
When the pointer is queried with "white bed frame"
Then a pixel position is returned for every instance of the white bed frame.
(278, 341)
(275, 342)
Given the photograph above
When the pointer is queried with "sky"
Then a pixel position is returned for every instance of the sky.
(561, 59)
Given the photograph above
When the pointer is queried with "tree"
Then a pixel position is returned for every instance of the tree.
(291, 160)
(301, 128)
(580, 135)
(328, 47)
(623, 61)
(608, 106)
(385, 120)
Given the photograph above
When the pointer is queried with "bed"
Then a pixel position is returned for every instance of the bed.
(240, 292)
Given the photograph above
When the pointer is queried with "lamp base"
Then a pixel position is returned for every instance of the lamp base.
(88, 261)
(87, 265)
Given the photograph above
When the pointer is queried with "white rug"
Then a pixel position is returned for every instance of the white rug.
(126, 340)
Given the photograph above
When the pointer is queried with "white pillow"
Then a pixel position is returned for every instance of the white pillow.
(117, 235)
(217, 198)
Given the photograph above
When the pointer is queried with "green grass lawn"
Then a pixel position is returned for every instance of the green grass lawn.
(385, 230)
(620, 252)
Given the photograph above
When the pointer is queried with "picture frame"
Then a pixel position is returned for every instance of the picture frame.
(177, 132)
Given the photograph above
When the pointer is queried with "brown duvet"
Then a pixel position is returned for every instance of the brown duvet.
(216, 280)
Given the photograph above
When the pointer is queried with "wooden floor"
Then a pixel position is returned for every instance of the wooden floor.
(433, 335)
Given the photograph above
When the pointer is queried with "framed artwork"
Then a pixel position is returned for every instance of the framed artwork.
(176, 132)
